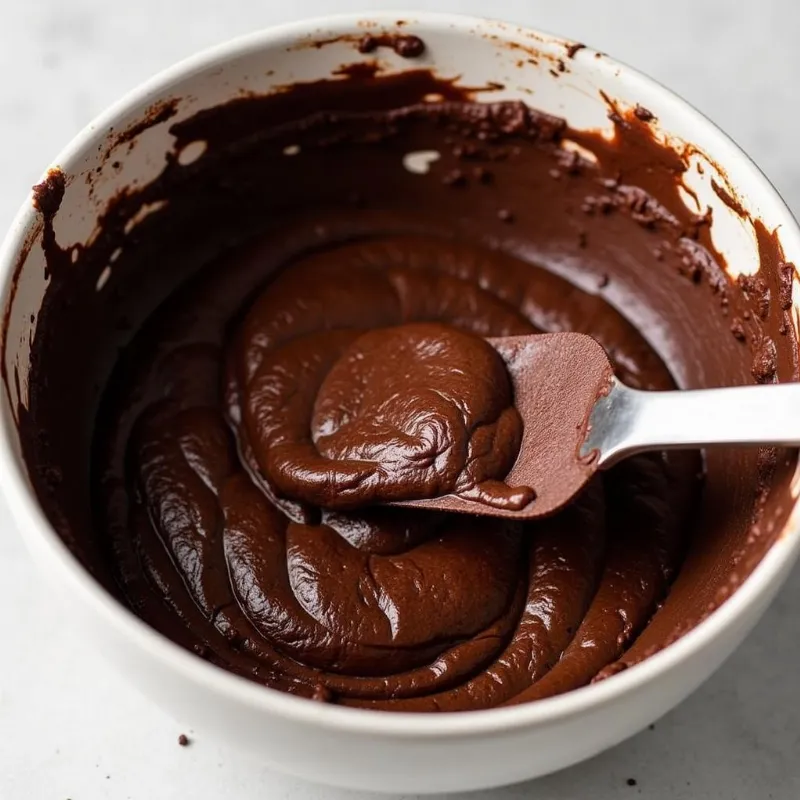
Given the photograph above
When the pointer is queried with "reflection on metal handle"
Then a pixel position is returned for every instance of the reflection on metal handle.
(628, 421)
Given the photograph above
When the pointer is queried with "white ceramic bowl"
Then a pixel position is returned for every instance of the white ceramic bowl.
(341, 746)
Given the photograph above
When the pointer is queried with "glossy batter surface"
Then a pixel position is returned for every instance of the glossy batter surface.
(251, 429)
(298, 332)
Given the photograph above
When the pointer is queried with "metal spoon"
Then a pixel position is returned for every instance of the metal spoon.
(578, 418)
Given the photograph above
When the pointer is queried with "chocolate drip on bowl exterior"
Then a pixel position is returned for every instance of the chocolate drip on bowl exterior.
(304, 338)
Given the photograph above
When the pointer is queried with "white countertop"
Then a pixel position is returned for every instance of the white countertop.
(69, 727)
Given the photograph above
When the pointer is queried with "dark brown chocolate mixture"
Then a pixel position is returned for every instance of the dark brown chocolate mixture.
(406, 46)
(304, 305)
(339, 418)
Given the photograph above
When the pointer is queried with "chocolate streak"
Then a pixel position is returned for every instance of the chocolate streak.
(284, 287)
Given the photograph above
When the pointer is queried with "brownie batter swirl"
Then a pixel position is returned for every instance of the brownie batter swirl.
(360, 374)
(341, 418)
(265, 340)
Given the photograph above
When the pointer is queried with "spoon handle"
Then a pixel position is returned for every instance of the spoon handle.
(628, 421)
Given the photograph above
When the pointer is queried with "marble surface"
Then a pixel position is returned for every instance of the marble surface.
(69, 727)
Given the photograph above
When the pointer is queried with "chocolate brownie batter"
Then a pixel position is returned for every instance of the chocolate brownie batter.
(298, 332)
(402, 412)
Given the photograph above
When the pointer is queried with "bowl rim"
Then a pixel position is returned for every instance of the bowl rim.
(37, 529)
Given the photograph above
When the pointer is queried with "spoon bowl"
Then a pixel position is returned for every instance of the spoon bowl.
(556, 378)
(579, 418)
